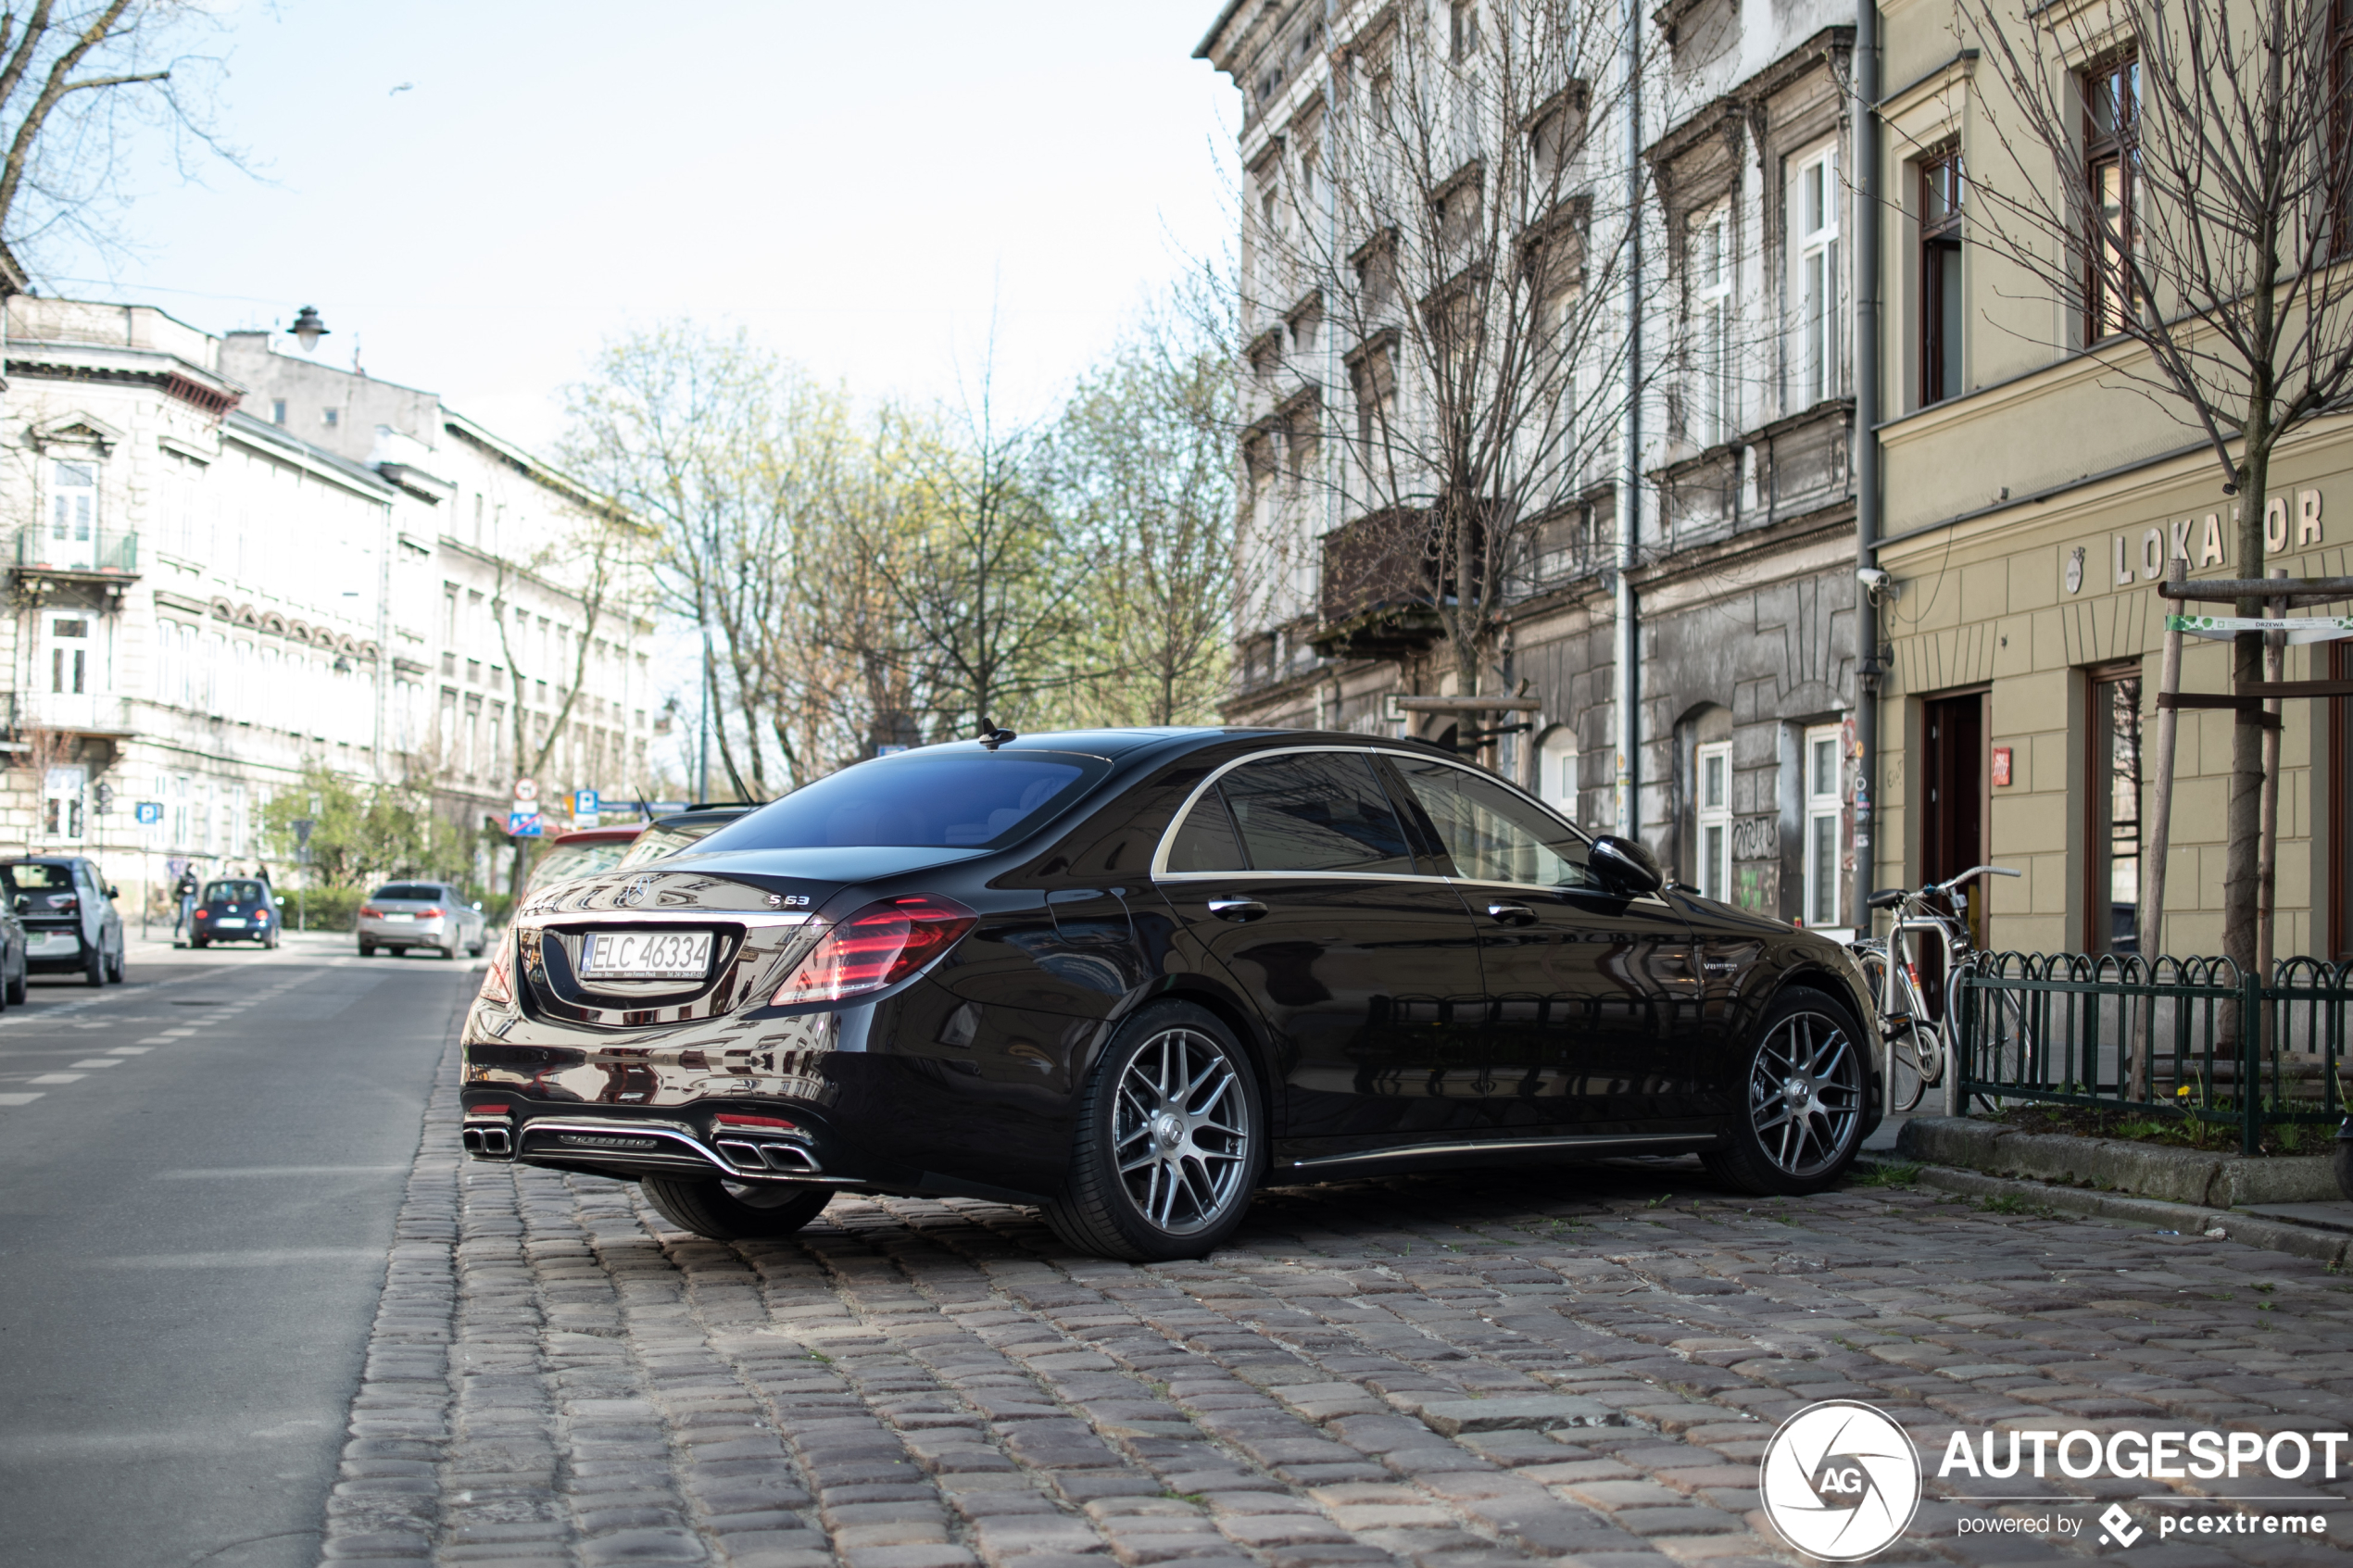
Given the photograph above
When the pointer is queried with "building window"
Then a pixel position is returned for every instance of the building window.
(333, 417)
(2111, 144)
(61, 794)
(1941, 297)
(1715, 769)
(69, 656)
(1825, 817)
(278, 411)
(1815, 290)
(74, 502)
(1557, 771)
(1709, 257)
(2112, 796)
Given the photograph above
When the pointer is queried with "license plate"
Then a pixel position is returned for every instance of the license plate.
(645, 955)
(399, 917)
(230, 924)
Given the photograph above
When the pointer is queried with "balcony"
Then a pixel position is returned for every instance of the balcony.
(1380, 587)
(94, 555)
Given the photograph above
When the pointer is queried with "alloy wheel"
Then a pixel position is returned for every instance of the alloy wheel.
(1180, 1132)
(1805, 1093)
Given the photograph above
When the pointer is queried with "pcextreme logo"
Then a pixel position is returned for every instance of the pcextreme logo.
(1840, 1481)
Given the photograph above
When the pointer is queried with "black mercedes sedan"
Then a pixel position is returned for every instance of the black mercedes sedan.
(1129, 976)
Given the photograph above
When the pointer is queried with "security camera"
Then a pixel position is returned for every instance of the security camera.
(1871, 577)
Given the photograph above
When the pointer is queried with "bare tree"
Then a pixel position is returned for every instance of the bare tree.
(1440, 258)
(76, 82)
(985, 584)
(750, 473)
(2179, 182)
(1142, 465)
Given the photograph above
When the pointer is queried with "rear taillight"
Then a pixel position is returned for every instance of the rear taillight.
(497, 987)
(879, 945)
(204, 914)
(368, 911)
(433, 913)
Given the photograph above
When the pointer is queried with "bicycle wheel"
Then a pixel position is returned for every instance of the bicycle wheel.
(1914, 1064)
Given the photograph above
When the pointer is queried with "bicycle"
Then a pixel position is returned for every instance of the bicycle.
(1921, 1036)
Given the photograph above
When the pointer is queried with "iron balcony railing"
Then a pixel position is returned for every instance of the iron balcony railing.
(2184, 1037)
(44, 547)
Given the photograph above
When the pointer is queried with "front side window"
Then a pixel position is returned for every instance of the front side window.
(1489, 834)
(2111, 143)
(1825, 811)
(1713, 765)
(1816, 291)
(1940, 318)
(73, 502)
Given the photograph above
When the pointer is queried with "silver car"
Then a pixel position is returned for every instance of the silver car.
(432, 915)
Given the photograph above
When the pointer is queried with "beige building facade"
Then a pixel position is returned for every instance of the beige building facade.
(2034, 494)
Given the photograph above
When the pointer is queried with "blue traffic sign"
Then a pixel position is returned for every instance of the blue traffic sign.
(584, 802)
(147, 813)
(523, 824)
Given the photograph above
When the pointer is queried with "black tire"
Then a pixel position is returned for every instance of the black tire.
(734, 1210)
(367, 950)
(1201, 1185)
(94, 966)
(114, 968)
(20, 988)
(1802, 1092)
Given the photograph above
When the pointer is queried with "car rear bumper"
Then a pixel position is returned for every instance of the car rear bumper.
(53, 949)
(408, 932)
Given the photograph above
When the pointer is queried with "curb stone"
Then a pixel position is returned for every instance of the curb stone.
(2190, 1220)
(2117, 1165)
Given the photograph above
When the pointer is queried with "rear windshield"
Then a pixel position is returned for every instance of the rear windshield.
(34, 876)
(422, 891)
(657, 841)
(233, 893)
(951, 800)
(567, 860)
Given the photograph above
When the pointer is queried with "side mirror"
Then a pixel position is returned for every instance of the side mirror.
(113, 892)
(1627, 866)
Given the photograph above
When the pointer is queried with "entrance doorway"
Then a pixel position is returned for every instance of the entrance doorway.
(1953, 805)
(2340, 807)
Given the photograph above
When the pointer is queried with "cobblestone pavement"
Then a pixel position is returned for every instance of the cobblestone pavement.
(1373, 1375)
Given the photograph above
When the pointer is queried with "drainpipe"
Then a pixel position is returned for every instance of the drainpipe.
(1627, 640)
(1867, 413)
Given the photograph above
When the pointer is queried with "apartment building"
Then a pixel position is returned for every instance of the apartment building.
(2035, 492)
(1684, 622)
(206, 598)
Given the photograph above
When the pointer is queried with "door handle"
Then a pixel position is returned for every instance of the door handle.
(1236, 909)
(1511, 914)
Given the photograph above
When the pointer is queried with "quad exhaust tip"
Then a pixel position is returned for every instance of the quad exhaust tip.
(787, 1159)
(488, 1143)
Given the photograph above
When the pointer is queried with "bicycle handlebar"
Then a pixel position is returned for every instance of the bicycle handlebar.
(1955, 883)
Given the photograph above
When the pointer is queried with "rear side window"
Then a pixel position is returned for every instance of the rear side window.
(1206, 842)
(36, 876)
(1316, 812)
(1490, 834)
(422, 891)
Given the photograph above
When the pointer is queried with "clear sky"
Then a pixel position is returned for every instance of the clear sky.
(865, 187)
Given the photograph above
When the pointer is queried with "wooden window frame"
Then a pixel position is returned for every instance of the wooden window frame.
(2116, 77)
(2098, 801)
(1941, 191)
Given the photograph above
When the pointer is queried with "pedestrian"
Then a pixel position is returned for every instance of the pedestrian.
(186, 892)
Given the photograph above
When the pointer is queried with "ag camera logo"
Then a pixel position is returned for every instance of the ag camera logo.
(1840, 1481)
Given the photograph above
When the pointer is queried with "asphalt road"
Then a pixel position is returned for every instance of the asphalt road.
(199, 1173)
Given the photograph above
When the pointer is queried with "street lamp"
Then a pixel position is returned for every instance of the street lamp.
(308, 328)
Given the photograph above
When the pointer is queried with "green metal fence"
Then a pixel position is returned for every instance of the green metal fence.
(2184, 1037)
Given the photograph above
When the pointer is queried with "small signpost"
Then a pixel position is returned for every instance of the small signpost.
(523, 815)
(583, 808)
(147, 813)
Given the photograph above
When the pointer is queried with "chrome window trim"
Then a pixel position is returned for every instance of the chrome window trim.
(1297, 876)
